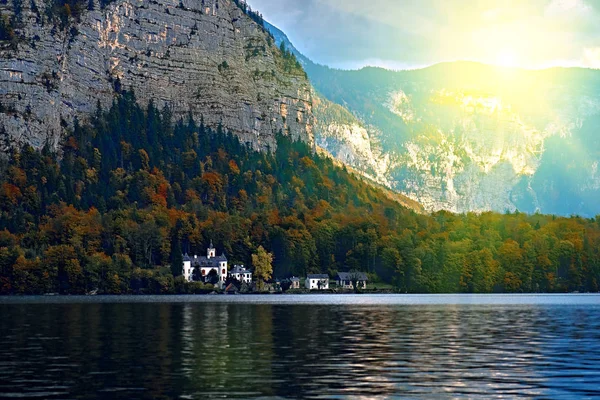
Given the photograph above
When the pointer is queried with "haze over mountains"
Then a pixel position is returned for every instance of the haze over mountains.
(465, 136)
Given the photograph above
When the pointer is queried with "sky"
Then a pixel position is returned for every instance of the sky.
(399, 34)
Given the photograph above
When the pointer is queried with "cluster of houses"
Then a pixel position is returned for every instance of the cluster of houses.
(345, 280)
(214, 269)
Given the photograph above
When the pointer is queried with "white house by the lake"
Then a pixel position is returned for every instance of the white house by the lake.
(206, 264)
(294, 282)
(346, 280)
(317, 281)
(241, 274)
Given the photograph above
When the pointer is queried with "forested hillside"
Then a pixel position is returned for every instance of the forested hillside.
(132, 190)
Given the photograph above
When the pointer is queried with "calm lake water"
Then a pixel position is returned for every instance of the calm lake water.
(306, 346)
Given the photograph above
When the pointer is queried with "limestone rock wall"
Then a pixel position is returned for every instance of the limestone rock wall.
(204, 57)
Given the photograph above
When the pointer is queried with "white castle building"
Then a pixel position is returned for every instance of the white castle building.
(206, 264)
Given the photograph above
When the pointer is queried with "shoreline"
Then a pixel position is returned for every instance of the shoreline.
(297, 293)
(294, 293)
(346, 299)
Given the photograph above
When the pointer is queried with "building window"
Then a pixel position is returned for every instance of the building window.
(203, 272)
(223, 271)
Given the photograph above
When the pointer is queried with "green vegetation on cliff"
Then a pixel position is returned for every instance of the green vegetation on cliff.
(128, 190)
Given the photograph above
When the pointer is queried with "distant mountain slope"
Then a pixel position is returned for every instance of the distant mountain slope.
(470, 137)
(337, 130)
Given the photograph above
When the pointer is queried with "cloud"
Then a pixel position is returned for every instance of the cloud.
(560, 7)
(409, 33)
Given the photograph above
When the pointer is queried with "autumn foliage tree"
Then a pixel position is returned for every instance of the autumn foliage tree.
(262, 261)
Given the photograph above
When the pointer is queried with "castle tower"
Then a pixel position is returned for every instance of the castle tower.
(222, 268)
(210, 252)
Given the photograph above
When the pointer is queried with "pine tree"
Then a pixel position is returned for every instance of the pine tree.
(176, 258)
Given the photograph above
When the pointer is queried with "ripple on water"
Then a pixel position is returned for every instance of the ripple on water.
(347, 348)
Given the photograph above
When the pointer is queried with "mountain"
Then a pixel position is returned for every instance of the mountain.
(469, 137)
(208, 58)
(139, 169)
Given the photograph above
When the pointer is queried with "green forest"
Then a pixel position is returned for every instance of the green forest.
(127, 193)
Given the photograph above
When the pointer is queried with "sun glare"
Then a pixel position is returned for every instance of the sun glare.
(506, 58)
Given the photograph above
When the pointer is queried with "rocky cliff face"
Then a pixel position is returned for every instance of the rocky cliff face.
(349, 140)
(204, 57)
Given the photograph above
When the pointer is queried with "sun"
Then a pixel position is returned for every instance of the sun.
(506, 58)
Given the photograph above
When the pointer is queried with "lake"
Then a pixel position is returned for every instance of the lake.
(300, 346)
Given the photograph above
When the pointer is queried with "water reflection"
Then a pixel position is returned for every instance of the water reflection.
(215, 350)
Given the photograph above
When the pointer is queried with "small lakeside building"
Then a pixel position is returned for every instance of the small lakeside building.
(346, 280)
(317, 281)
(240, 274)
(294, 282)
